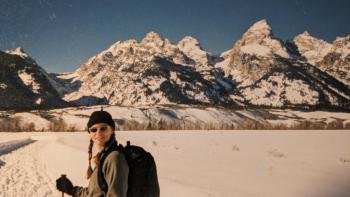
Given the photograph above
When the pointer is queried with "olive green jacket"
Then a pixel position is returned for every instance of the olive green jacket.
(116, 171)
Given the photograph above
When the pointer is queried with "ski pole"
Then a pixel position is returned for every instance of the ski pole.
(64, 177)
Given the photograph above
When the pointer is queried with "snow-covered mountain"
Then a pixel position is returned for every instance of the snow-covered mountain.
(260, 70)
(268, 75)
(24, 84)
(333, 58)
(152, 71)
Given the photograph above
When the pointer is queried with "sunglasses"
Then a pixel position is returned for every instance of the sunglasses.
(95, 129)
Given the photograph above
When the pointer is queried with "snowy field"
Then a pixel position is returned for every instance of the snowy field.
(191, 163)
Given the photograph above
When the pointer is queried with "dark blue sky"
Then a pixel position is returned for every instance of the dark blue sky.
(62, 34)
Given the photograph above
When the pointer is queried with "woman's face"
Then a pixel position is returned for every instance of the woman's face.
(100, 133)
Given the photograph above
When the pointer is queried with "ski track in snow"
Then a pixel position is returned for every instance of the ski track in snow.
(23, 174)
(7, 147)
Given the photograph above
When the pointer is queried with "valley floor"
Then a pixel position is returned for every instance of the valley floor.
(191, 163)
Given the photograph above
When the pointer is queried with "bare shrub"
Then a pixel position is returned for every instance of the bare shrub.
(57, 124)
(28, 127)
(279, 126)
(336, 124)
(307, 125)
(174, 125)
(250, 124)
(11, 124)
(132, 125)
(347, 125)
(71, 128)
(16, 124)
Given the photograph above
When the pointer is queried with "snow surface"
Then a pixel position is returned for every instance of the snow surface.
(193, 163)
(3, 86)
(256, 49)
(277, 89)
(29, 81)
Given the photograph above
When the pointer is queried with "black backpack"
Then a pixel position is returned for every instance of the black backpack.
(142, 179)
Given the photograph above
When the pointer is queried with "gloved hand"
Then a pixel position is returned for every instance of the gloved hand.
(63, 184)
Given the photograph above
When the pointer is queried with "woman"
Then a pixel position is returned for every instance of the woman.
(115, 169)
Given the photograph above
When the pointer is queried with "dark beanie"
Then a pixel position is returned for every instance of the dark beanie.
(101, 117)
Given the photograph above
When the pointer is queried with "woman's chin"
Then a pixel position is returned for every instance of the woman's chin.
(100, 142)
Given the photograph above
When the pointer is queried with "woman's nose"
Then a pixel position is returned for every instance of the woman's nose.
(99, 132)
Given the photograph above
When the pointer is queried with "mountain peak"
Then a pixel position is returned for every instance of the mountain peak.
(313, 49)
(189, 42)
(259, 40)
(18, 51)
(189, 39)
(261, 27)
(192, 48)
(152, 36)
(258, 32)
(343, 39)
(305, 33)
(153, 39)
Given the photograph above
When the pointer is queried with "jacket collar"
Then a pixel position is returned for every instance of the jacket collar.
(110, 143)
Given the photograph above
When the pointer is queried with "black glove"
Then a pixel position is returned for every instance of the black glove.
(63, 184)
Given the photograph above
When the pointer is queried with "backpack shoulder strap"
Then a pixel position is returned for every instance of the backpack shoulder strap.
(100, 176)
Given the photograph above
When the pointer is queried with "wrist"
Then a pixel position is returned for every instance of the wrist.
(74, 190)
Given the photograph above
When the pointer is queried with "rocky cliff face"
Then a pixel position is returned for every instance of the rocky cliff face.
(192, 49)
(255, 53)
(311, 48)
(24, 84)
(333, 58)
